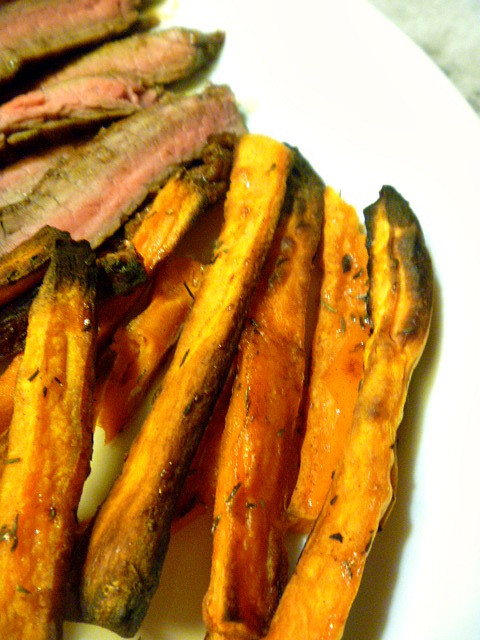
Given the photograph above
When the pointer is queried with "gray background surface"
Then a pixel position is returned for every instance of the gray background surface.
(449, 31)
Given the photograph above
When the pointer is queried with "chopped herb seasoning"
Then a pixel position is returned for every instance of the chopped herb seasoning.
(343, 325)
(21, 589)
(58, 381)
(34, 375)
(346, 263)
(52, 513)
(333, 500)
(247, 399)
(45, 391)
(189, 291)
(10, 535)
(185, 356)
(358, 274)
(254, 323)
(215, 523)
(12, 460)
(188, 409)
(328, 306)
(233, 492)
(280, 433)
(337, 536)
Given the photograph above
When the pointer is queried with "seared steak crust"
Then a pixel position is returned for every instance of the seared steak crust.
(152, 58)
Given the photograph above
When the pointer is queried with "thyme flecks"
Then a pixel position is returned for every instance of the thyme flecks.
(346, 263)
(189, 291)
(328, 306)
(233, 492)
(215, 523)
(185, 356)
(10, 535)
(23, 590)
(34, 375)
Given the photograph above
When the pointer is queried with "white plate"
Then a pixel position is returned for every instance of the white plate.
(368, 108)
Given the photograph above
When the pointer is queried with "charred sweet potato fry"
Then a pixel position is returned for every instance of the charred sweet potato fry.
(185, 196)
(49, 447)
(249, 563)
(139, 346)
(23, 268)
(320, 593)
(337, 357)
(120, 274)
(131, 532)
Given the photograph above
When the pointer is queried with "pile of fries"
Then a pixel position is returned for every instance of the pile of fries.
(269, 429)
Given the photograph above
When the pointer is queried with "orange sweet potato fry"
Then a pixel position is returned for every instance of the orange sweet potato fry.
(7, 386)
(131, 531)
(185, 196)
(249, 563)
(337, 357)
(49, 447)
(139, 346)
(318, 598)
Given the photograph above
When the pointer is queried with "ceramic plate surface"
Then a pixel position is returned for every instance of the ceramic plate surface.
(367, 108)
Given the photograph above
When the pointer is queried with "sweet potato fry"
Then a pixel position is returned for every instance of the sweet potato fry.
(249, 564)
(198, 492)
(23, 268)
(49, 447)
(139, 346)
(120, 274)
(320, 593)
(185, 196)
(131, 532)
(7, 386)
(337, 357)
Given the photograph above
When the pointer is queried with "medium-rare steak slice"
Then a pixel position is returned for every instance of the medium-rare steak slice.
(100, 186)
(111, 82)
(71, 104)
(34, 29)
(19, 178)
(152, 58)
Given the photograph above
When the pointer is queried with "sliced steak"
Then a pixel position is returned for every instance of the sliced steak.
(73, 103)
(158, 57)
(34, 29)
(18, 179)
(96, 189)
